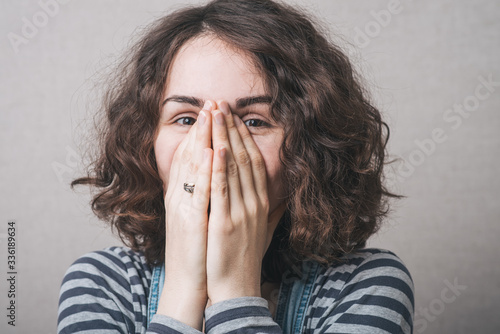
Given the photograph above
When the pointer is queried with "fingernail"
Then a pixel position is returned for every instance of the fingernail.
(202, 118)
(207, 105)
(237, 120)
(222, 152)
(224, 108)
(219, 119)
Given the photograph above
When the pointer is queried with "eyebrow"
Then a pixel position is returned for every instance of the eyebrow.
(247, 101)
(240, 103)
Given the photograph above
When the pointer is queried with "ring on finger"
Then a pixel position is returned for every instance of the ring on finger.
(189, 187)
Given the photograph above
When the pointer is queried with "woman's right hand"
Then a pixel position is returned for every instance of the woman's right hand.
(184, 294)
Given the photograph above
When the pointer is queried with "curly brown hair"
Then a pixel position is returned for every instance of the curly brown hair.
(334, 140)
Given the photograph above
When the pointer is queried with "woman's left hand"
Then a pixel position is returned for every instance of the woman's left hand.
(240, 228)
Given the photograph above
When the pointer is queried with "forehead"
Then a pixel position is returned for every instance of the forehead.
(208, 68)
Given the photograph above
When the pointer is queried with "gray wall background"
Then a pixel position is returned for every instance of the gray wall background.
(426, 63)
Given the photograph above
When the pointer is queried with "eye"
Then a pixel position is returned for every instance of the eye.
(186, 121)
(255, 123)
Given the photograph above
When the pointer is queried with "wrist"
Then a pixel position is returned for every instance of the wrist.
(184, 305)
(226, 293)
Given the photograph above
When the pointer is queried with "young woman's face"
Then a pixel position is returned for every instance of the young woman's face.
(206, 68)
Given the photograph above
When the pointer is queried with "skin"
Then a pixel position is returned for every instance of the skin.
(230, 151)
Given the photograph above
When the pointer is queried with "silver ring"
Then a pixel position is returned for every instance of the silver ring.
(189, 187)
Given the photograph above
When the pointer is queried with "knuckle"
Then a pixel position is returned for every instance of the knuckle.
(259, 164)
(232, 169)
(205, 172)
(252, 208)
(240, 217)
(264, 202)
(186, 156)
(242, 158)
(245, 135)
(220, 169)
(193, 167)
(199, 201)
(222, 135)
(227, 229)
(221, 188)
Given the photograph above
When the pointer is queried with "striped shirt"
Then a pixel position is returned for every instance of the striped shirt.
(107, 291)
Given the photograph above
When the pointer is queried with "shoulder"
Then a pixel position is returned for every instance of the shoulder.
(113, 267)
(112, 261)
(368, 263)
(113, 282)
(370, 286)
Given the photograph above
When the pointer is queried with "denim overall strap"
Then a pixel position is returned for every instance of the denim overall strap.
(157, 280)
(294, 298)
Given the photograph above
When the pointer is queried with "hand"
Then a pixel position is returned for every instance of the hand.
(184, 295)
(239, 228)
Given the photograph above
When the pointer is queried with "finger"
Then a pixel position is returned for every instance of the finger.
(240, 154)
(201, 195)
(220, 138)
(219, 196)
(202, 140)
(179, 159)
(256, 159)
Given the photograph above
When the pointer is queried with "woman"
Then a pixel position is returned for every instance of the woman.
(241, 162)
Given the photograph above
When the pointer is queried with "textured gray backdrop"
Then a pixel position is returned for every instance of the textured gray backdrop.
(433, 68)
